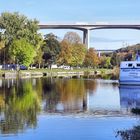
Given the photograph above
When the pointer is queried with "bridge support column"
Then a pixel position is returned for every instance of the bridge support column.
(86, 38)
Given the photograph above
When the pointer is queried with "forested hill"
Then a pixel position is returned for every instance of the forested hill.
(123, 54)
(132, 48)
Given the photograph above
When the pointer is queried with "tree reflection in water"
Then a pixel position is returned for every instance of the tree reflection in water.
(19, 106)
(66, 95)
(50, 94)
(21, 100)
(71, 94)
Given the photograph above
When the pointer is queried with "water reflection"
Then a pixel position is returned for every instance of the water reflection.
(130, 101)
(130, 97)
(19, 105)
(60, 95)
(66, 95)
(106, 97)
(22, 100)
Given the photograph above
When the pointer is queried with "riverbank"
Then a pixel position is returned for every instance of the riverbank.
(86, 73)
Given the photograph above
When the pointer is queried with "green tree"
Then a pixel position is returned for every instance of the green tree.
(15, 27)
(105, 62)
(51, 48)
(108, 64)
(2, 52)
(22, 52)
(2, 48)
(38, 59)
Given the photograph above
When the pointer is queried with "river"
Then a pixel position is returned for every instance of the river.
(66, 109)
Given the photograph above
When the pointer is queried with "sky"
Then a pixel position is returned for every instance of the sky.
(89, 11)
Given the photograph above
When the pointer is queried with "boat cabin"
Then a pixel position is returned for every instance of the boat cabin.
(130, 64)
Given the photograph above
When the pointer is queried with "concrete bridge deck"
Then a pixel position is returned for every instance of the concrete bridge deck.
(87, 27)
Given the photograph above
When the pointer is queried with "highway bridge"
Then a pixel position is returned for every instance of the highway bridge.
(103, 50)
(87, 27)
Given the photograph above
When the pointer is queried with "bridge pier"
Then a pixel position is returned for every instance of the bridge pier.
(86, 38)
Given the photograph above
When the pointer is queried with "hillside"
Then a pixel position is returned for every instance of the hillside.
(132, 48)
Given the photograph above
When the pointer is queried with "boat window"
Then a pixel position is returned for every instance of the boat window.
(129, 65)
(138, 65)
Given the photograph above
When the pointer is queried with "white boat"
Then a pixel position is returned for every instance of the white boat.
(130, 72)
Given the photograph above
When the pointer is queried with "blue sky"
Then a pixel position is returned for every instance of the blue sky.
(91, 11)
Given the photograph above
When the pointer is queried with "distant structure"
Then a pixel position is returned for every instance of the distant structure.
(104, 51)
(99, 54)
(86, 28)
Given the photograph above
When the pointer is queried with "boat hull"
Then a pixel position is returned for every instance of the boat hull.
(129, 76)
(127, 82)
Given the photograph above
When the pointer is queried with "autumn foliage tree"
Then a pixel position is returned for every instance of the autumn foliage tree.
(91, 58)
(73, 51)
(65, 56)
(78, 54)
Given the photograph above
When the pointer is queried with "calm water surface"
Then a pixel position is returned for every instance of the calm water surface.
(65, 109)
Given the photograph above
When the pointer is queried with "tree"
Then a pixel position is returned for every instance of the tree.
(65, 55)
(78, 54)
(2, 45)
(72, 37)
(73, 51)
(91, 58)
(105, 62)
(15, 27)
(116, 59)
(51, 48)
(22, 52)
(2, 52)
(38, 58)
